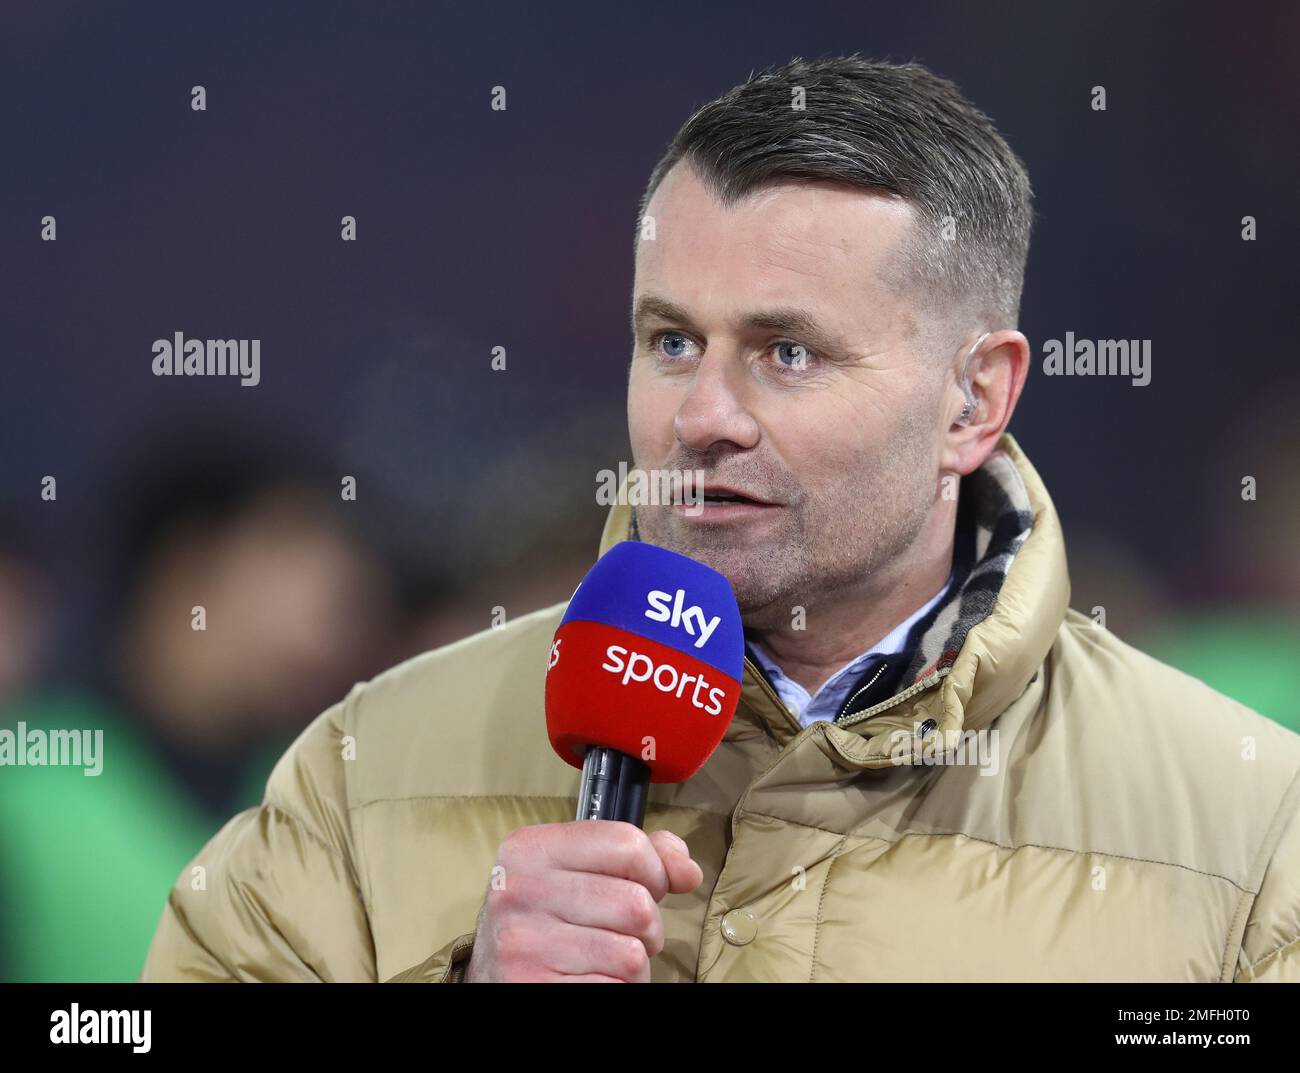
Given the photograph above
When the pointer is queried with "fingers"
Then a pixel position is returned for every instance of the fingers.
(552, 947)
(605, 847)
(588, 978)
(580, 903)
(592, 901)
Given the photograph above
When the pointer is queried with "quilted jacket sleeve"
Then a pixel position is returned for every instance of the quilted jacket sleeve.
(275, 895)
(1270, 947)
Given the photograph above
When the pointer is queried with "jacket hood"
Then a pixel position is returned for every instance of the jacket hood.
(983, 649)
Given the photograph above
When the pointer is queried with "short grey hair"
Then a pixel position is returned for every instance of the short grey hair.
(897, 130)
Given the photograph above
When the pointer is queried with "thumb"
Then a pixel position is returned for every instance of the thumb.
(684, 874)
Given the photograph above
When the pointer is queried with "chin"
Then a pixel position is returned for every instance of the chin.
(754, 584)
(754, 588)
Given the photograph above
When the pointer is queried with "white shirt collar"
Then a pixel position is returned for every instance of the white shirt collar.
(832, 694)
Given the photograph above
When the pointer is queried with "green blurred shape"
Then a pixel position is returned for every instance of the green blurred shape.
(1251, 656)
(86, 862)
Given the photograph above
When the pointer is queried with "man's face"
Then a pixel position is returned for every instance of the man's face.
(833, 425)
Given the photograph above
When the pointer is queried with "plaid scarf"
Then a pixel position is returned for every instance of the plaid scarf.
(993, 520)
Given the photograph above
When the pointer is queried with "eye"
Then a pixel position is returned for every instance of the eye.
(670, 344)
(792, 357)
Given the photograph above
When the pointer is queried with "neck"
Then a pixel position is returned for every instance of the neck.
(854, 619)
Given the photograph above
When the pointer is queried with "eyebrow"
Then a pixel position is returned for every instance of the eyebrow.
(788, 319)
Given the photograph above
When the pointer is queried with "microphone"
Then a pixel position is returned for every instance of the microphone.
(643, 677)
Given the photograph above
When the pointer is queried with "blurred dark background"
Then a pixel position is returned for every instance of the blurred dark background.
(477, 229)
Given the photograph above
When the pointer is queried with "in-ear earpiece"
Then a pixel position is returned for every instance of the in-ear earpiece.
(968, 410)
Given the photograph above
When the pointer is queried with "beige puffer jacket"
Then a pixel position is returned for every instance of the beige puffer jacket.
(1132, 824)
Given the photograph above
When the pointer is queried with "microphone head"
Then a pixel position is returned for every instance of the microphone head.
(648, 660)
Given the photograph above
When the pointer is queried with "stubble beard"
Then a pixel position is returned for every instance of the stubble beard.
(838, 542)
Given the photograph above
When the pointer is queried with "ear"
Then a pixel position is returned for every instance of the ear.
(996, 373)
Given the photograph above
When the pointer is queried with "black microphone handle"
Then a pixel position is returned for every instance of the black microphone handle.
(614, 786)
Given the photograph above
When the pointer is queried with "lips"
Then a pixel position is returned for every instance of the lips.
(717, 493)
(723, 504)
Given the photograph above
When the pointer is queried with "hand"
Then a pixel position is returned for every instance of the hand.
(580, 904)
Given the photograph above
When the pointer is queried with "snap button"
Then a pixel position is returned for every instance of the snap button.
(739, 927)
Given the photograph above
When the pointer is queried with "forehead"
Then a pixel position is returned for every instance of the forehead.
(825, 246)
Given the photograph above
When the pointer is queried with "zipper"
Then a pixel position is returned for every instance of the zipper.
(919, 686)
(858, 692)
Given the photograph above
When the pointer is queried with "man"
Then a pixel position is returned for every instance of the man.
(825, 307)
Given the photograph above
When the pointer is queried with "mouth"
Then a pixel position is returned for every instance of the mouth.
(717, 493)
(717, 503)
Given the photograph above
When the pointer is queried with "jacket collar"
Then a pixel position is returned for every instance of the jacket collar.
(992, 656)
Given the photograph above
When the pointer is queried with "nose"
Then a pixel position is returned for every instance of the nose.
(713, 410)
